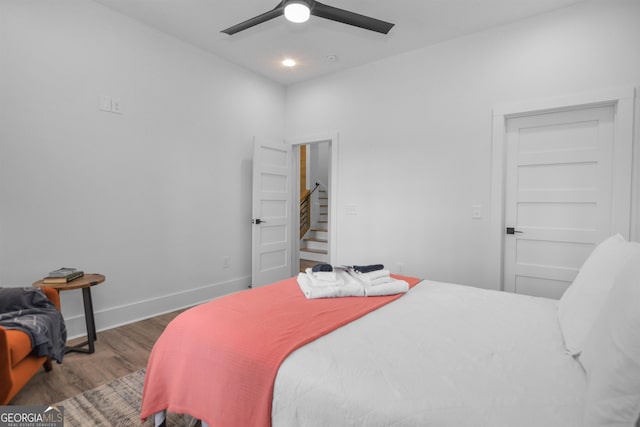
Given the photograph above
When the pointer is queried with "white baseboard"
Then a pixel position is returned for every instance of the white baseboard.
(140, 310)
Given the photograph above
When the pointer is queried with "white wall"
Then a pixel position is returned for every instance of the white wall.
(415, 131)
(153, 198)
(320, 157)
(156, 197)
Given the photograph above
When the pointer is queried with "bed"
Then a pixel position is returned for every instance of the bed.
(440, 355)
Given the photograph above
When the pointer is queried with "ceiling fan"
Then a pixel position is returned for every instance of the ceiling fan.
(299, 11)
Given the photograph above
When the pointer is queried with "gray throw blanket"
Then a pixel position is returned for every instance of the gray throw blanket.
(29, 310)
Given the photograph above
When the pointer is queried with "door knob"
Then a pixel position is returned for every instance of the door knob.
(512, 230)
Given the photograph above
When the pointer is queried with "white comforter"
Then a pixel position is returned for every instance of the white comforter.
(442, 355)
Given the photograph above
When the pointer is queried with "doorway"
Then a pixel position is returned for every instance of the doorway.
(321, 186)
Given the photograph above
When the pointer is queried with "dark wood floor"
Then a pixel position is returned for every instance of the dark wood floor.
(119, 351)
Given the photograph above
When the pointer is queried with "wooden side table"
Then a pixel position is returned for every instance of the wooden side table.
(85, 283)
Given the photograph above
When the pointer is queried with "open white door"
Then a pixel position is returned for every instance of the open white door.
(271, 233)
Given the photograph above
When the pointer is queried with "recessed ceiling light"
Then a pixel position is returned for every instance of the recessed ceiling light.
(297, 11)
(289, 62)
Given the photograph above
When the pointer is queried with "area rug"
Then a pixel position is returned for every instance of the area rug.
(116, 403)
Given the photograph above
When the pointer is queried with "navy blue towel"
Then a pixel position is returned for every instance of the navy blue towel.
(322, 267)
(368, 268)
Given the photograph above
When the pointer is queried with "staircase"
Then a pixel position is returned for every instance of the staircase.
(314, 245)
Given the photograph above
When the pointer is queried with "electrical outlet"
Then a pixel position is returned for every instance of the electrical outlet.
(476, 211)
(116, 106)
(225, 261)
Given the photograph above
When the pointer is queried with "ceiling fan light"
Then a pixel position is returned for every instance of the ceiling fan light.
(297, 11)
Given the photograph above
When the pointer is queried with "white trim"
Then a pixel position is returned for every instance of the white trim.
(606, 96)
(140, 310)
(295, 209)
(331, 138)
(622, 98)
(635, 189)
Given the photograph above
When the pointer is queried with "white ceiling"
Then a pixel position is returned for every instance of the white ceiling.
(418, 23)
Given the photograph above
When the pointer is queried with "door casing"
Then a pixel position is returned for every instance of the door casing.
(623, 100)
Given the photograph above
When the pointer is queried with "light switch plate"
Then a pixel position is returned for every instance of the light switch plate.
(105, 103)
(476, 211)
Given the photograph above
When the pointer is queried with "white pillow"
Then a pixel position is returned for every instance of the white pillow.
(582, 301)
(611, 355)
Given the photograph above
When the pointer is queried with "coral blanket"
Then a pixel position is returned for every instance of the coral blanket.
(218, 361)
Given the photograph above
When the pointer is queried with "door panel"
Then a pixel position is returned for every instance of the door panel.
(272, 207)
(558, 196)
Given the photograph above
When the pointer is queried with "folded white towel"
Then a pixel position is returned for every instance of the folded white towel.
(351, 288)
(380, 281)
(372, 275)
(329, 276)
(392, 287)
(374, 278)
(320, 283)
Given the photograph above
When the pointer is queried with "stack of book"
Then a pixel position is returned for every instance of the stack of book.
(63, 275)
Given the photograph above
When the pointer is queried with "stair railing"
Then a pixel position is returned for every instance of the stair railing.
(305, 210)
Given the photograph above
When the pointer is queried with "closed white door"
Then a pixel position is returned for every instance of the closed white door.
(271, 234)
(558, 196)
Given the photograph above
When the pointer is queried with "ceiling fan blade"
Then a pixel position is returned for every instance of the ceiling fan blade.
(273, 13)
(351, 18)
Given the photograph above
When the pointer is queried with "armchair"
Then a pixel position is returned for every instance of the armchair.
(17, 363)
